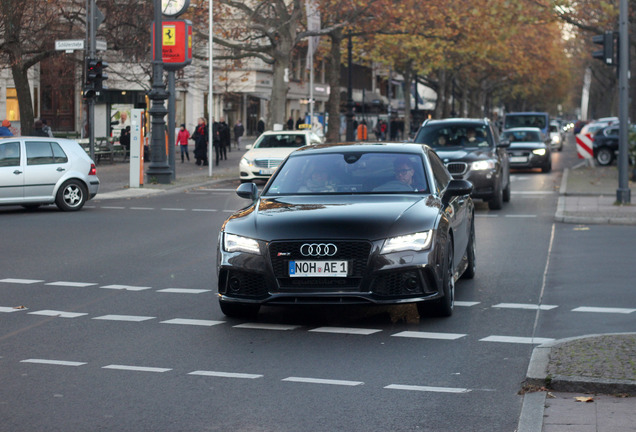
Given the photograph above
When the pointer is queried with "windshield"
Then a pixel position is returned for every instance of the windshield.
(454, 135)
(350, 173)
(281, 140)
(522, 136)
(526, 120)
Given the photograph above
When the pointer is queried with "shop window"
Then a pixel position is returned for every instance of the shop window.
(13, 108)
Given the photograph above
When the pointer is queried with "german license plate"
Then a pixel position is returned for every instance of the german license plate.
(318, 268)
(267, 171)
(518, 159)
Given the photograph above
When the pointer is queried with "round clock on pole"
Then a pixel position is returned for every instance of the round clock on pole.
(174, 8)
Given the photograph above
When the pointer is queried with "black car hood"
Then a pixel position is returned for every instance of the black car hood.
(465, 154)
(369, 217)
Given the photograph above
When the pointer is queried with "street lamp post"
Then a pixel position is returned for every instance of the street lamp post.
(350, 132)
(158, 170)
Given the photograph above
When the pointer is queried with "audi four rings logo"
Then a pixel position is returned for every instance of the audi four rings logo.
(318, 249)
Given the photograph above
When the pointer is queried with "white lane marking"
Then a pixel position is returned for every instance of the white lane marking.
(204, 210)
(603, 310)
(136, 368)
(345, 330)
(466, 303)
(259, 326)
(8, 309)
(322, 381)
(520, 216)
(486, 216)
(53, 362)
(515, 339)
(126, 287)
(21, 281)
(429, 335)
(185, 321)
(142, 208)
(534, 192)
(183, 291)
(225, 374)
(113, 207)
(229, 211)
(132, 318)
(71, 284)
(427, 388)
(55, 313)
(173, 209)
(217, 190)
(524, 306)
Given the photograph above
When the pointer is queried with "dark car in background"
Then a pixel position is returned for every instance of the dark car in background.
(341, 224)
(528, 149)
(605, 144)
(471, 150)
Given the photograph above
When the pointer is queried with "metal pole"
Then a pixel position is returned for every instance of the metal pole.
(623, 192)
(91, 100)
(211, 87)
(158, 170)
(350, 132)
(390, 94)
(171, 124)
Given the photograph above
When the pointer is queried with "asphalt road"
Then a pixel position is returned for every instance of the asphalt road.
(120, 329)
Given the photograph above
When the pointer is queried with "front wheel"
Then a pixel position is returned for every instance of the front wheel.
(496, 202)
(506, 193)
(604, 156)
(471, 249)
(547, 167)
(71, 196)
(442, 307)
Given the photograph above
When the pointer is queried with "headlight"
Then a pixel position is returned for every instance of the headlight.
(483, 165)
(539, 152)
(556, 139)
(415, 242)
(247, 161)
(235, 243)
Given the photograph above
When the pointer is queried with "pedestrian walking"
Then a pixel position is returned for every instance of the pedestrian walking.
(239, 130)
(260, 126)
(225, 137)
(362, 131)
(46, 128)
(216, 140)
(182, 141)
(200, 137)
(37, 129)
(4, 129)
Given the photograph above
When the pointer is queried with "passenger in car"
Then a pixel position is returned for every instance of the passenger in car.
(318, 181)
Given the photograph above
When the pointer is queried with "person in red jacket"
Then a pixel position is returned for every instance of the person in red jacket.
(182, 141)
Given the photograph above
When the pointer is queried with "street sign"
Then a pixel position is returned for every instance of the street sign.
(100, 45)
(585, 146)
(69, 45)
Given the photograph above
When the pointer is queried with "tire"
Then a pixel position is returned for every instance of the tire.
(71, 196)
(506, 193)
(239, 310)
(442, 307)
(604, 156)
(471, 249)
(496, 202)
(547, 167)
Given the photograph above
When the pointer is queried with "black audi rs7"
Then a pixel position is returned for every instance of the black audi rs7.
(372, 223)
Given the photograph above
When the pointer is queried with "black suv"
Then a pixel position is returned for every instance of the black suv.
(471, 150)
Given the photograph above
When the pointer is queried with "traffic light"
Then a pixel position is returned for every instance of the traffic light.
(607, 53)
(94, 77)
(101, 75)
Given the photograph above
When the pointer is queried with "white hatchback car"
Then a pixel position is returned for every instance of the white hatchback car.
(270, 149)
(41, 170)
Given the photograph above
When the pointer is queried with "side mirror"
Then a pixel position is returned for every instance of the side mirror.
(458, 188)
(248, 191)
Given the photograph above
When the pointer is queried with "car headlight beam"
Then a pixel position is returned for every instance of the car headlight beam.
(235, 243)
(539, 152)
(481, 165)
(415, 242)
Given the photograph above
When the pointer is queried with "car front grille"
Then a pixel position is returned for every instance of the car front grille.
(457, 168)
(267, 163)
(355, 252)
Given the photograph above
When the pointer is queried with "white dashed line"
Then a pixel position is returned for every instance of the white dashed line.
(225, 374)
(21, 281)
(55, 313)
(204, 210)
(183, 291)
(9, 309)
(229, 211)
(534, 192)
(136, 368)
(429, 335)
(259, 326)
(71, 284)
(323, 381)
(195, 322)
(521, 216)
(524, 306)
(427, 388)
(53, 362)
(126, 287)
(131, 318)
(466, 303)
(345, 330)
(486, 216)
(515, 339)
(113, 207)
(603, 310)
(173, 209)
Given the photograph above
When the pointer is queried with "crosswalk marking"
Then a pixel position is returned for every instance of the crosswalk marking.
(603, 310)
(21, 281)
(345, 330)
(6, 309)
(53, 362)
(185, 321)
(466, 303)
(263, 326)
(516, 339)
(183, 291)
(524, 306)
(126, 287)
(225, 374)
(132, 318)
(323, 381)
(427, 388)
(136, 368)
(429, 335)
(71, 284)
(55, 313)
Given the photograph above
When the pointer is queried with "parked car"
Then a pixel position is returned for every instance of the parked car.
(605, 144)
(269, 150)
(368, 223)
(481, 159)
(527, 149)
(39, 170)
(593, 127)
(556, 135)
